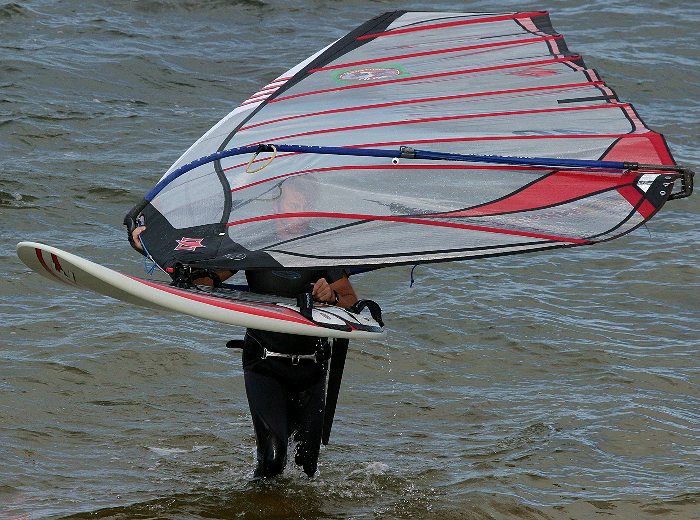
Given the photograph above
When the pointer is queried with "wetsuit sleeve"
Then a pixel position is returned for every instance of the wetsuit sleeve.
(333, 275)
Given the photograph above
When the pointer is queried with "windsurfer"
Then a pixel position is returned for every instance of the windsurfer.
(285, 374)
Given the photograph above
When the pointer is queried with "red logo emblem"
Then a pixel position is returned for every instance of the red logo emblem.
(189, 244)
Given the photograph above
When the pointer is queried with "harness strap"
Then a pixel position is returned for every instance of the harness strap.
(321, 355)
(294, 357)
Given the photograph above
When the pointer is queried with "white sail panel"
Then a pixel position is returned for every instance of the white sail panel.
(463, 83)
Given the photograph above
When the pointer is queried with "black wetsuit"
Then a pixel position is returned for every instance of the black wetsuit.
(286, 397)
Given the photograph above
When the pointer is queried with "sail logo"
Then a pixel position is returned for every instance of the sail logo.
(369, 74)
(189, 244)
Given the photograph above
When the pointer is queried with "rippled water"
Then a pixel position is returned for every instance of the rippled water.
(552, 385)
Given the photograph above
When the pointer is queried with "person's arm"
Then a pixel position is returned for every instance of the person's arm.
(340, 292)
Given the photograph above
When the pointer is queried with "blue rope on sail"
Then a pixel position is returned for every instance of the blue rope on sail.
(149, 264)
(402, 153)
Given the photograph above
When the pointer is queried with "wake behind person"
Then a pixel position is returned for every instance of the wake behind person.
(285, 374)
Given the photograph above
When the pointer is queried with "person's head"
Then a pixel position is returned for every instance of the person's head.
(297, 195)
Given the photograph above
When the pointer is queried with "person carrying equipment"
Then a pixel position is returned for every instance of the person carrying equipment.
(285, 374)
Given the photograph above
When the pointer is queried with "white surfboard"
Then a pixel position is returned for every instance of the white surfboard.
(222, 305)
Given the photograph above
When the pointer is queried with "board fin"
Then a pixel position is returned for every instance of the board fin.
(335, 377)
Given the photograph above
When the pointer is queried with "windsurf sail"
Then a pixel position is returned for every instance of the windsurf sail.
(417, 137)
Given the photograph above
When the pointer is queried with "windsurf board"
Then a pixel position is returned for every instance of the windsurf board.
(218, 304)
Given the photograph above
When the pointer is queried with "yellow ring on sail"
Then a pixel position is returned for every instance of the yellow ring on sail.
(274, 154)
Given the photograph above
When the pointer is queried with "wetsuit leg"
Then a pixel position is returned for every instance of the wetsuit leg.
(268, 401)
(308, 409)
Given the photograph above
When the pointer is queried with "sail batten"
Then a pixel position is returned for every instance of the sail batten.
(448, 98)
(437, 52)
(441, 119)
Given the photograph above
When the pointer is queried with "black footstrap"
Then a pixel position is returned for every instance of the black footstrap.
(374, 309)
(184, 275)
(335, 377)
(305, 302)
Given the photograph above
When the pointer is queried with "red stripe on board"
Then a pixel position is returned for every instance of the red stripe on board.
(279, 313)
(428, 100)
(487, 19)
(407, 220)
(40, 257)
(446, 118)
(432, 76)
(440, 51)
(389, 167)
(56, 263)
(43, 262)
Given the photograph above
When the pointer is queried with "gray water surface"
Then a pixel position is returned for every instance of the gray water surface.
(553, 385)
